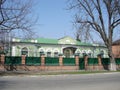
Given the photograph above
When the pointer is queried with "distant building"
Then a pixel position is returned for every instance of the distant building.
(116, 48)
(66, 46)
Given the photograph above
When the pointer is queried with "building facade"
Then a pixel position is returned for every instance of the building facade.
(116, 48)
(66, 46)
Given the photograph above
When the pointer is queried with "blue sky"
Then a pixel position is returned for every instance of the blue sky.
(54, 20)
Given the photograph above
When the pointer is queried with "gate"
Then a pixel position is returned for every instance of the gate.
(81, 64)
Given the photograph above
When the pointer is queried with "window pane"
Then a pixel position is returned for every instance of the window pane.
(55, 54)
(48, 54)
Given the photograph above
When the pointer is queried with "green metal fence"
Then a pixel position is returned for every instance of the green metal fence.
(105, 61)
(33, 61)
(117, 61)
(12, 60)
(92, 61)
(69, 61)
(49, 61)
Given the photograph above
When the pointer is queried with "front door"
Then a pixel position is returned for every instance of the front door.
(69, 51)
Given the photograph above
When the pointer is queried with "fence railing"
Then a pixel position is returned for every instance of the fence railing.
(12, 60)
(50, 61)
(92, 61)
(69, 61)
(33, 61)
(117, 61)
(105, 61)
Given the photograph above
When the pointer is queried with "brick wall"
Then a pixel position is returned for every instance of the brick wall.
(41, 67)
(116, 51)
(61, 66)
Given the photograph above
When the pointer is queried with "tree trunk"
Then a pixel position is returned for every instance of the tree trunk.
(112, 66)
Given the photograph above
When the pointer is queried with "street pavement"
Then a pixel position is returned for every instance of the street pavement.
(106, 81)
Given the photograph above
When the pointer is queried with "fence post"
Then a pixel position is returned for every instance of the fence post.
(42, 60)
(2, 59)
(99, 62)
(23, 59)
(60, 60)
(77, 60)
(86, 62)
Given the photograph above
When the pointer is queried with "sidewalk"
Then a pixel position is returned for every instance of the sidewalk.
(63, 72)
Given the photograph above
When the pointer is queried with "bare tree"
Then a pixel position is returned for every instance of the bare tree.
(103, 16)
(83, 32)
(15, 15)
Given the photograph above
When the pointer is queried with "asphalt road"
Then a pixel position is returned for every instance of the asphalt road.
(62, 82)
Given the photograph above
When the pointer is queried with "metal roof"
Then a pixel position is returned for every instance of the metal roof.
(64, 40)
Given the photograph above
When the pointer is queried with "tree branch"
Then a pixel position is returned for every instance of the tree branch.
(115, 23)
